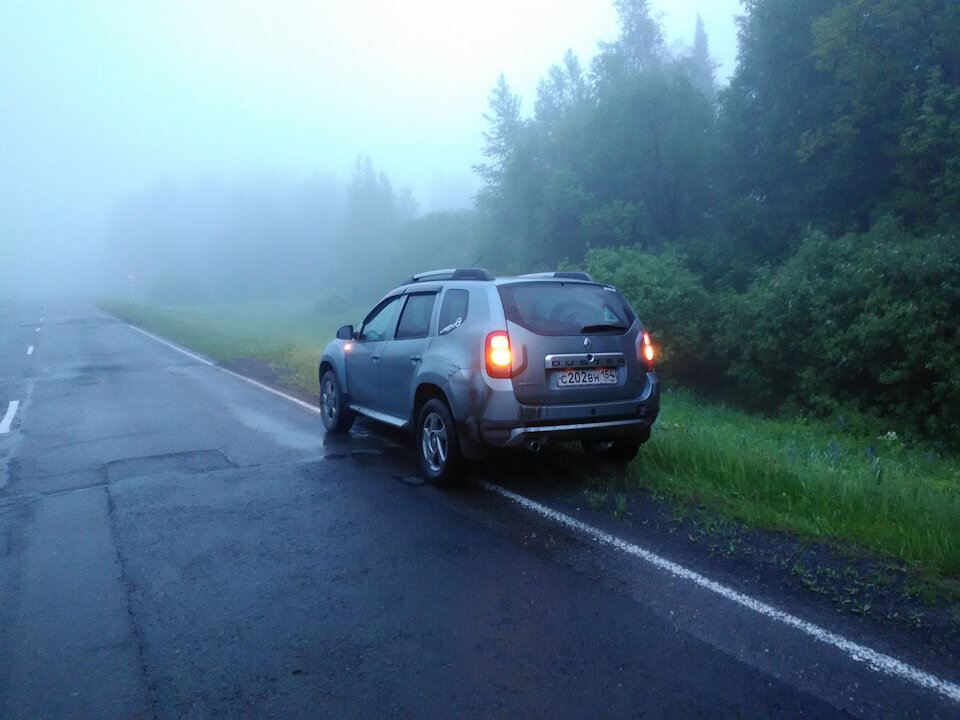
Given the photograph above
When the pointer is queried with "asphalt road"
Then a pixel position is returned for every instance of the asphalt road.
(175, 541)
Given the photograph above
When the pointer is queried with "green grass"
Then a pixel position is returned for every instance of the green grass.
(821, 481)
(810, 478)
(288, 336)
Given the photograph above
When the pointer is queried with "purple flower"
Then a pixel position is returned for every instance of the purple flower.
(870, 453)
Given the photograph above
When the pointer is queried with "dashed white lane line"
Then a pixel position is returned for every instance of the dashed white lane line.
(30, 350)
(859, 653)
(8, 417)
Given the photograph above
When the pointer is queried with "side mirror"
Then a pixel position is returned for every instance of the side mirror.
(345, 332)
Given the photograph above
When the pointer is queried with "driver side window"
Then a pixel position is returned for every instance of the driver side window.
(379, 322)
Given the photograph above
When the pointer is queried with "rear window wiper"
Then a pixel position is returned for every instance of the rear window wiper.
(601, 328)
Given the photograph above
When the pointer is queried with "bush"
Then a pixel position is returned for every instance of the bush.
(676, 309)
(867, 320)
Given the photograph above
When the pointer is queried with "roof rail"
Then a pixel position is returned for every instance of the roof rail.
(563, 274)
(451, 274)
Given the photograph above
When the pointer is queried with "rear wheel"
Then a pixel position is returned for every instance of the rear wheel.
(621, 450)
(337, 418)
(437, 444)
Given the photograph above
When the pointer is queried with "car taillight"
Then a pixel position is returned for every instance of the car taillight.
(647, 351)
(497, 355)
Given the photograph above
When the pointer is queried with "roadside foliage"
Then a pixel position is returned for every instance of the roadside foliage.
(791, 238)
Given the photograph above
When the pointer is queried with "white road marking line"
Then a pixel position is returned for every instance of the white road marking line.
(30, 350)
(171, 345)
(307, 406)
(859, 653)
(8, 418)
(251, 381)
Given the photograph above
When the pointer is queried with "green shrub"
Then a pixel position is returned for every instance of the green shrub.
(678, 312)
(869, 321)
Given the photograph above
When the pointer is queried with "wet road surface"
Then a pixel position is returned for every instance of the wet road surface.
(176, 542)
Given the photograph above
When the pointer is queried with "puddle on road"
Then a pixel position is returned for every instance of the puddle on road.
(359, 441)
(284, 433)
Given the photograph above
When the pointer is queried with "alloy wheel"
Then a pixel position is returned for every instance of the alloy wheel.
(434, 442)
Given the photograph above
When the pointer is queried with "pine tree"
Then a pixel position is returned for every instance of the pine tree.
(701, 65)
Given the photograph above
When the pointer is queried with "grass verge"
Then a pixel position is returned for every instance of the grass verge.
(810, 478)
(287, 336)
(818, 480)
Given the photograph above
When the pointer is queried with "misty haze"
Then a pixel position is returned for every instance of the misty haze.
(671, 429)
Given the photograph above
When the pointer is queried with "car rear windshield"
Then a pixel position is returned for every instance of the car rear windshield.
(564, 308)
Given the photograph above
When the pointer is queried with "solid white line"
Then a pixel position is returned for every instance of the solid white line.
(251, 381)
(859, 653)
(171, 345)
(8, 418)
(30, 350)
(279, 393)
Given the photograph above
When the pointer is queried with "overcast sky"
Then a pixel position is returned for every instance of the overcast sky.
(102, 99)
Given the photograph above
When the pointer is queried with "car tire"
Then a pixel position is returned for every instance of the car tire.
(621, 450)
(337, 418)
(438, 446)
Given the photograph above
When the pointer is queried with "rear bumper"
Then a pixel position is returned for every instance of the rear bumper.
(511, 424)
(543, 434)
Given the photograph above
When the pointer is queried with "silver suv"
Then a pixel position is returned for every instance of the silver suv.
(471, 362)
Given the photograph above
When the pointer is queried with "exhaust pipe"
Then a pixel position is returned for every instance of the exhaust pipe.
(533, 445)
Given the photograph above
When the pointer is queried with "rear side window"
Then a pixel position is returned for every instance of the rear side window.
(415, 319)
(453, 310)
(560, 308)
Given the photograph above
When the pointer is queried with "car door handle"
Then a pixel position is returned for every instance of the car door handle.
(416, 358)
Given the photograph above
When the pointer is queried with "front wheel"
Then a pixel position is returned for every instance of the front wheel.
(336, 417)
(437, 444)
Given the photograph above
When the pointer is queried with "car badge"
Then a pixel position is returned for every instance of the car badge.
(587, 344)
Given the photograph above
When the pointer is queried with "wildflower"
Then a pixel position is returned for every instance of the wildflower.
(870, 453)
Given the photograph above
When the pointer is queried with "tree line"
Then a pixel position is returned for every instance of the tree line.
(791, 237)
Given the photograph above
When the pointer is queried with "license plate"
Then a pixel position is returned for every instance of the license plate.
(579, 378)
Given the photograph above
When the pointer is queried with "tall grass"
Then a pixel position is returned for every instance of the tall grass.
(811, 478)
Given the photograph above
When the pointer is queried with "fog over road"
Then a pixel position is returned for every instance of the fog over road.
(177, 542)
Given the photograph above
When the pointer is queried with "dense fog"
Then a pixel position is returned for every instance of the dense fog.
(192, 152)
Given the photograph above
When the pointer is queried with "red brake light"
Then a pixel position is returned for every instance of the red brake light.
(497, 356)
(648, 350)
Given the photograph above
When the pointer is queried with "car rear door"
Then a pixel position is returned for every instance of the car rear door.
(576, 342)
